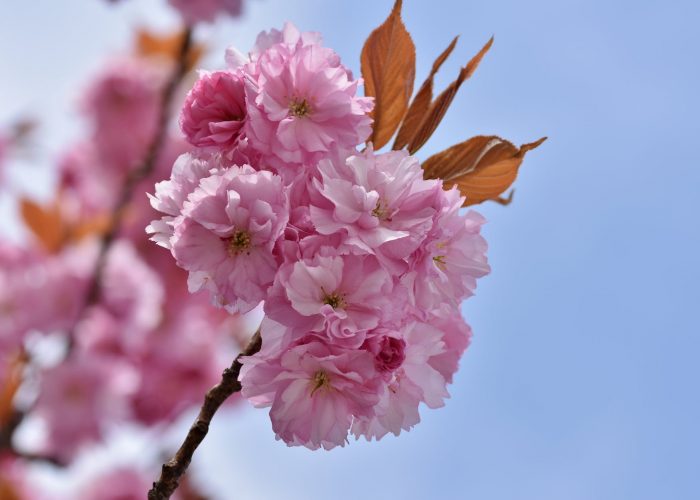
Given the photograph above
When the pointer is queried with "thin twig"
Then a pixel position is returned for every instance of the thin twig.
(174, 469)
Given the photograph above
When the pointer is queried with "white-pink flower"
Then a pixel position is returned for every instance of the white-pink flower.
(227, 235)
(315, 390)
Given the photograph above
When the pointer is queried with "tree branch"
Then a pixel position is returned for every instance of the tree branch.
(137, 174)
(174, 469)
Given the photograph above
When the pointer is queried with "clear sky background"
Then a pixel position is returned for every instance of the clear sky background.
(582, 380)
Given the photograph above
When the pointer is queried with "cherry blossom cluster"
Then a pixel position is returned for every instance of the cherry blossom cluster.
(360, 263)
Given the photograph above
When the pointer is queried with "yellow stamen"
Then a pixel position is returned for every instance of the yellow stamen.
(321, 380)
(239, 242)
(300, 108)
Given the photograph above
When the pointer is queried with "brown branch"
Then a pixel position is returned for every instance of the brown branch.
(137, 174)
(174, 469)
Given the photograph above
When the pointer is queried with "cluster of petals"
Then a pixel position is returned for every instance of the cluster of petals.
(361, 265)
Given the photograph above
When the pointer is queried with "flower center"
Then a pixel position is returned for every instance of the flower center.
(239, 242)
(381, 211)
(320, 380)
(335, 300)
(440, 262)
(300, 108)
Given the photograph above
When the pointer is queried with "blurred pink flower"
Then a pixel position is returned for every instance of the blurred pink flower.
(123, 105)
(194, 11)
(123, 483)
(75, 401)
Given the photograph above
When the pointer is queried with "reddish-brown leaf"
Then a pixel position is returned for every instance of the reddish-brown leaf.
(12, 380)
(46, 224)
(166, 46)
(439, 106)
(52, 230)
(421, 102)
(482, 167)
(388, 63)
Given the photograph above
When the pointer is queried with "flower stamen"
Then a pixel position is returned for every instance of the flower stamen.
(300, 108)
(335, 300)
(239, 242)
(320, 380)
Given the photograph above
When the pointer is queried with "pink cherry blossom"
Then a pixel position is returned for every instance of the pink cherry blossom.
(123, 104)
(227, 236)
(380, 202)
(339, 297)
(302, 104)
(451, 259)
(314, 390)
(75, 400)
(171, 194)
(172, 380)
(194, 11)
(214, 112)
(123, 483)
(413, 382)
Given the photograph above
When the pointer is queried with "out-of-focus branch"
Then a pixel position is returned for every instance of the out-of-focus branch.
(174, 469)
(145, 168)
(137, 174)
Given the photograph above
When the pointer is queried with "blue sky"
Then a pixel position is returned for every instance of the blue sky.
(581, 382)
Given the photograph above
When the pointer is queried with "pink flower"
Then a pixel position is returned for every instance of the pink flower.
(214, 112)
(380, 202)
(338, 297)
(450, 260)
(180, 361)
(171, 195)
(194, 11)
(123, 104)
(123, 483)
(415, 380)
(315, 390)
(76, 398)
(456, 334)
(86, 182)
(302, 104)
(226, 239)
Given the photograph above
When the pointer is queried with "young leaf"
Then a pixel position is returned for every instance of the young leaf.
(12, 380)
(46, 224)
(482, 167)
(421, 101)
(166, 46)
(439, 106)
(388, 63)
